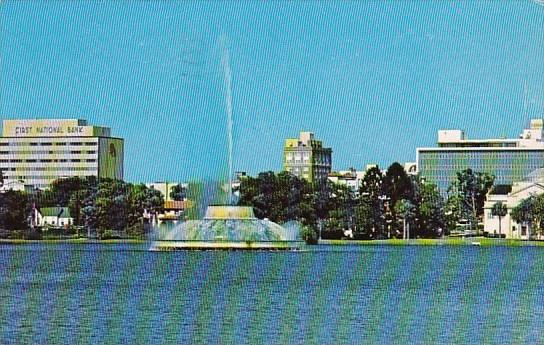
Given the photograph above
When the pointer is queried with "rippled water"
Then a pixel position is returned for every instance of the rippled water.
(123, 294)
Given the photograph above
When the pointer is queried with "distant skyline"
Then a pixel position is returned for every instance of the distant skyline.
(372, 80)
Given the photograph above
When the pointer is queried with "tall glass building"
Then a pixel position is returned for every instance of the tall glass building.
(509, 160)
(34, 153)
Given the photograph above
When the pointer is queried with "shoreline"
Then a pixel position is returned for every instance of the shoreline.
(448, 241)
(74, 241)
(455, 241)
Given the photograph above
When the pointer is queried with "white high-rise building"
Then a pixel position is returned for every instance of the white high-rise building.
(34, 153)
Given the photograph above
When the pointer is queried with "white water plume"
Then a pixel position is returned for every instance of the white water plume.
(227, 75)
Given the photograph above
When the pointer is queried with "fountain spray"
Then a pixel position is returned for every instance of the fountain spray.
(227, 75)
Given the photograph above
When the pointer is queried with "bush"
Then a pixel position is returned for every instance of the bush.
(308, 234)
(34, 235)
(136, 231)
(109, 234)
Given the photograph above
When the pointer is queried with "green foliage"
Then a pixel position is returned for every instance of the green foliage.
(405, 212)
(530, 211)
(308, 234)
(107, 234)
(14, 210)
(499, 210)
(280, 198)
(471, 188)
(430, 214)
(396, 184)
(369, 210)
(105, 205)
(178, 192)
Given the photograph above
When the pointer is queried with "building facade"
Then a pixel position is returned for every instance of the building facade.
(305, 157)
(37, 152)
(533, 185)
(351, 178)
(509, 160)
(55, 216)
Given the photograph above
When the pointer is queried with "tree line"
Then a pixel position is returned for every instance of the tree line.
(99, 206)
(389, 204)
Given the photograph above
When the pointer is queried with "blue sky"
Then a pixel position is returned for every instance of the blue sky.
(374, 80)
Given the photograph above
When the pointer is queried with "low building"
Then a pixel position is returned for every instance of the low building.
(410, 168)
(351, 178)
(54, 216)
(511, 196)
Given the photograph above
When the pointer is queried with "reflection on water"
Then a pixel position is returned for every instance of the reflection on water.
(348, 295)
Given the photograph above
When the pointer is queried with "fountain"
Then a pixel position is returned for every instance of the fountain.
(228, 226)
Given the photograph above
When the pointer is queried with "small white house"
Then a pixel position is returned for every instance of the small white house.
(55, 216)
(534, 185)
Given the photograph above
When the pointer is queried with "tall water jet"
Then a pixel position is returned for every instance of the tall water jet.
(227, 226)
(227, 84)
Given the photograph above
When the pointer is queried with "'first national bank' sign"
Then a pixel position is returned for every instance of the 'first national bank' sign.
(45, 128)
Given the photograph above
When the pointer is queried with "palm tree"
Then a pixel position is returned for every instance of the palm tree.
(499, 209)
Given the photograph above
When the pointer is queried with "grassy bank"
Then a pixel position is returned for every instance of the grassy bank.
(80, 240)
(482, 241)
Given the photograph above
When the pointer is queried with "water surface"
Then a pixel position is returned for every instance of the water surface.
(124, 294)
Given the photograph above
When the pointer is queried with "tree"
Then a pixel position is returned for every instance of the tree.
(141, 199)
(14, 209)
(472, 189)
(499, 210)
(308, 235)
(523, 213)
(370, 203)
(61, 191)
(178, 192)
(430, 209)
(280, 198)
(372, 184)
(397, 184)
(406, 211)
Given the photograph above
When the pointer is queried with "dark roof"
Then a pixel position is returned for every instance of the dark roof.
(501, 189)
(55, 211)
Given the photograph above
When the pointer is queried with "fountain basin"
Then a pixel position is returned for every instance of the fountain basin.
(229, 227)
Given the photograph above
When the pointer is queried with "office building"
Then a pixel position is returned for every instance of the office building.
(509, 160)
(305, 157)
(37, 152)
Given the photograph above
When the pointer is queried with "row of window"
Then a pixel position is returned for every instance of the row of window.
(47, 160)
(47, 143)
(50, 169)
(29, 178)
(477, 145)
(38, 152)
(482, 155)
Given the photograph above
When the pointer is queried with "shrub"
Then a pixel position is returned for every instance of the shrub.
(308, 234)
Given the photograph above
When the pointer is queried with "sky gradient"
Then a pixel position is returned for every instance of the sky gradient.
(373, 80)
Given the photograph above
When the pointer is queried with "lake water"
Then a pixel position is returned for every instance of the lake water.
(124, 294)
